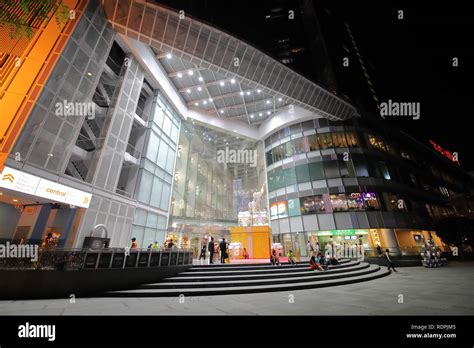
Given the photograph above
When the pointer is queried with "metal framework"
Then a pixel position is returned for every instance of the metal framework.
(211, 68)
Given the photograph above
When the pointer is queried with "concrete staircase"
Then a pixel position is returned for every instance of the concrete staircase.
(253, 278)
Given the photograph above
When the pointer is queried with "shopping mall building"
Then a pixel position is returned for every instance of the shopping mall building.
(134, 120)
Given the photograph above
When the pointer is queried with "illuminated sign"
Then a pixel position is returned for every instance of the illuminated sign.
(445, 153)
(26, 183)
(342, 232)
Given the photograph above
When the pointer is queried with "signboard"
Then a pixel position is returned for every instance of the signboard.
(16, 180)
(342, 232)
(444, 152)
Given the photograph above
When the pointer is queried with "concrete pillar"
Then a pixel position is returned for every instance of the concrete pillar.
(40, 224)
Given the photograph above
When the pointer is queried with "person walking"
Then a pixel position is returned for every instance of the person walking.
(210, 247)
(223, 248)
(390, 264)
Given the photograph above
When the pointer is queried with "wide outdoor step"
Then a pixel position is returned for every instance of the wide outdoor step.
(244, 266)
(378, 273)
(311, 277)
(232, 277)
(266, 270)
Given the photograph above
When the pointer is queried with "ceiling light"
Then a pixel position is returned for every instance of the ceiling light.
(259, 91)
(204, 102)
(279, 99)
(197, 104)
(89, 73)
(180, 75)
(232, 81)
(268, 101)
(248, 93)
(251, 116)
(268, 112)
(222, 111)
(201, 79)
(169, 56)
(188, 91)
(15, 200)
(190, 73)
(210, 99)
(222, 83)
(241, 93)
(260, 114)
(199, 89)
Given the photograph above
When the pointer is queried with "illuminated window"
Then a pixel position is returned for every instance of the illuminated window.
(339, 202)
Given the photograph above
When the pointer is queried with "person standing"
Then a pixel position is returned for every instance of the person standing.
(203, 252)
(223, 248)
(310, 248)
(134, 243)
(316, 248)
(210, 247)
(156, 246)
(390, 264)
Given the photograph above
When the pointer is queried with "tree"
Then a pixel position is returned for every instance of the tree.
(457, 231)
(19, 22)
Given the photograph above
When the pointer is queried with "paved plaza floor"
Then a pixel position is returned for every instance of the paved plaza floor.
(411, 291)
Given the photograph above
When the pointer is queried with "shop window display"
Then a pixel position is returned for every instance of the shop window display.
(355, 201)
(279, 210)
(339, 202)
(313, 142)
(351, 139)
(370, 201)
(278, 153)
(312, 205)
(299, 145)
(339, 140)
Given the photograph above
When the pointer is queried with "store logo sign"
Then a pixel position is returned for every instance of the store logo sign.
(9, 177)
(15, 180)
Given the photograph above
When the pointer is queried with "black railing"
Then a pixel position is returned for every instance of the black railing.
(88, 259)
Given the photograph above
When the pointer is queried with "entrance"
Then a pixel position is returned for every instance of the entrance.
(25, 219)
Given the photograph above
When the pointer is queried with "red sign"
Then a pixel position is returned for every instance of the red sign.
(444, 152)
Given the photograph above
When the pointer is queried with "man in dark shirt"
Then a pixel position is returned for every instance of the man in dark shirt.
(211, 250)
(223, 248)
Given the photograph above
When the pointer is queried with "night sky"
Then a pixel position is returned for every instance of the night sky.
(412, 57)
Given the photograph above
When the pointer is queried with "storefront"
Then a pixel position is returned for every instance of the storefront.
(31, 208)
(195, 236)
(413, 240)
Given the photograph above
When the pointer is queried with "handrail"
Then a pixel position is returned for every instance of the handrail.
(92, 259)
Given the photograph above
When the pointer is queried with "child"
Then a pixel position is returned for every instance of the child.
(290, 258)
